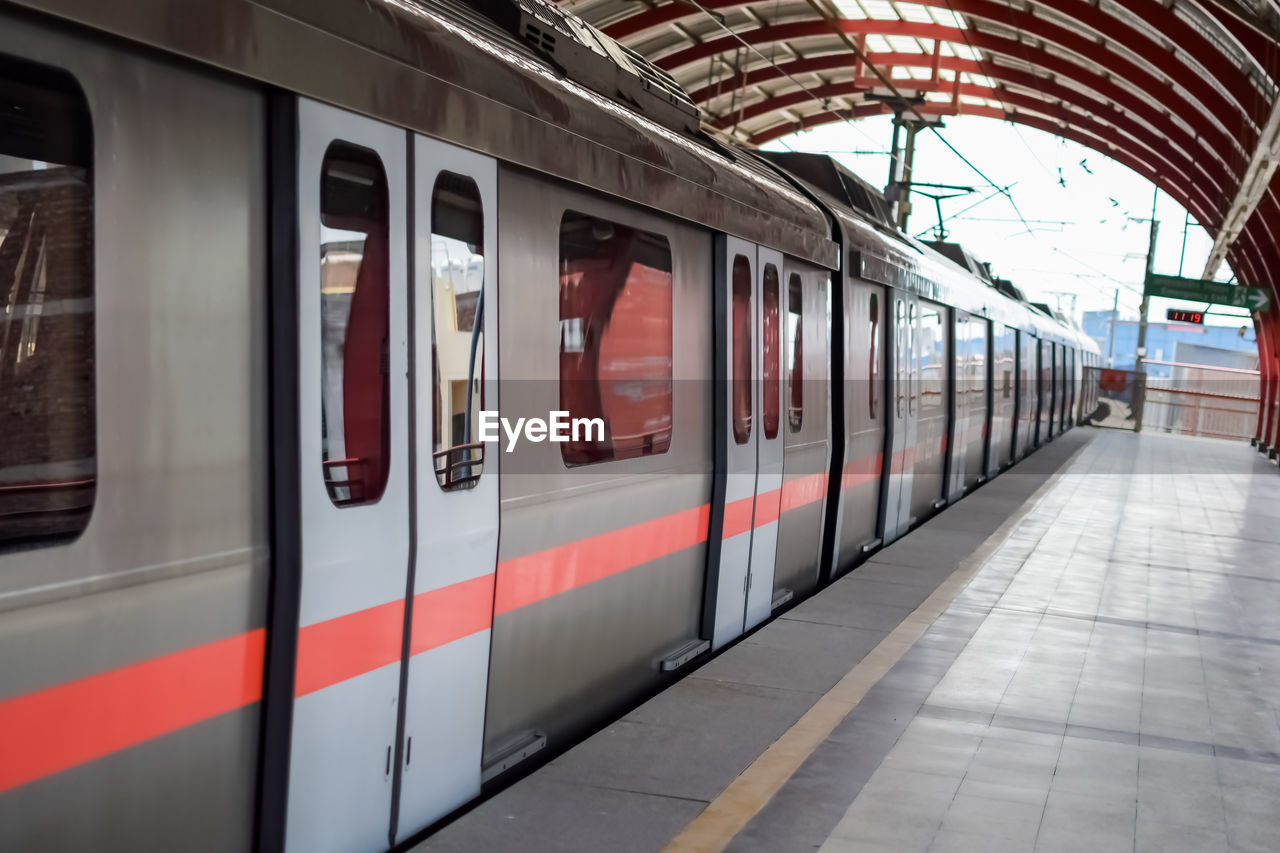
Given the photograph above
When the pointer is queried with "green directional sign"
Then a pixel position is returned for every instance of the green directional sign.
(1215, 292)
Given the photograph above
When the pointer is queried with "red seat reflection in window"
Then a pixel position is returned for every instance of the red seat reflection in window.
(742, 354)
(615, 338)
(873, 359)
(355, 295)
(795, 330)
(770, 341)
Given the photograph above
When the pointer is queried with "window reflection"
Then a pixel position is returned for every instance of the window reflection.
(354, 325)
(457, 287)
(742, 353)
(48, 445)
(795, 352)
(615, 339)
(769, 341)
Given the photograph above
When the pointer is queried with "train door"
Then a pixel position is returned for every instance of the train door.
(1073, 378)
(963, 381)
(858, 518)
(805, 429)
(981, 344)
(455, 310)
(932, 386)
(1048, 395)
(354, 485)
(1046, 392)
(1003, 396)
(750, 287)
(1064, 386)
(764, 542)
(972, 404)
(1028, 394)
(904, 378)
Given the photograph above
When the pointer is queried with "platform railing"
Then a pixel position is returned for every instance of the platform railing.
(1217, 402)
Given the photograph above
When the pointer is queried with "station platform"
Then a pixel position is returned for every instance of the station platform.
(1082, 655)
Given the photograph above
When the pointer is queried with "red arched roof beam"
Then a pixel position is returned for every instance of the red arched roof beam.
(1091, 16)
(1070, 132)
(1221, 182)
(1121, 99)
(1154, 149)
(1262, 47)
(1172, 170)
(1111, 27)
(1177, 30)
(810, 29)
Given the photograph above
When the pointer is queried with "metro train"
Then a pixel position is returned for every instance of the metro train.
(264, 264)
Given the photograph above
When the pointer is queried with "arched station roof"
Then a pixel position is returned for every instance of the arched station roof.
(1184, 92)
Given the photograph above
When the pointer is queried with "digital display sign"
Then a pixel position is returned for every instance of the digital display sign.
(1180, 316)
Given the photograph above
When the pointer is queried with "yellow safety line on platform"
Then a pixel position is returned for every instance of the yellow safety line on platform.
(726, 815)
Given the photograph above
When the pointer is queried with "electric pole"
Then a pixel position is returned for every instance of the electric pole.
(1146, 298)
(1111, 338)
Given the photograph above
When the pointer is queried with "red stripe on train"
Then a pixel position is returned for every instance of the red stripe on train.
(59, 727)
(738, 517)
(533, 577)
(345, 646)
(50, 730)
(451, 613)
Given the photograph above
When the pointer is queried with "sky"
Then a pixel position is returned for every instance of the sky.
(1086, 227)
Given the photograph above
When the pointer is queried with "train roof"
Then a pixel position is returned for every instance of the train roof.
(443, 69)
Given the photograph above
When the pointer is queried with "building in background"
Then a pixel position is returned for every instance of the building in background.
(1219, 346)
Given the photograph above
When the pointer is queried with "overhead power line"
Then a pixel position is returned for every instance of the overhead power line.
(880, 75)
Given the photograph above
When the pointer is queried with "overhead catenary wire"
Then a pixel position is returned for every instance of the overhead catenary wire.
(907, 106)
(880, 75)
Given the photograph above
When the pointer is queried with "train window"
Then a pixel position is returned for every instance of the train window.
(795, 352)
(873, 369)
(48, 454)
(615, 339)
(742, 355)
(354, 325)
(1006, 369)
(457, 291)
(770, 342)
(930, 349)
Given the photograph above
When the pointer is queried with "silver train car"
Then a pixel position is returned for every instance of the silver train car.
(269, 271)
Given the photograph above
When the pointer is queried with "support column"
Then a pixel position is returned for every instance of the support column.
(1141, 351)
(908, 164)
(1264, 382)
(1271, 437)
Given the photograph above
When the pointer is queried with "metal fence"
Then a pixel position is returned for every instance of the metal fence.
(1219, 402)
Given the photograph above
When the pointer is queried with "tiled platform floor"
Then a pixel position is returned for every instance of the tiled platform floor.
(1124, 691)
(1100, 672)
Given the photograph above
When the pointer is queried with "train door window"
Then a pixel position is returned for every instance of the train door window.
(1006, 365)
(931, 350)
(48, 453)
(873, 355)
(795, 352)
(770, 340)
(615, 340)
(917, 356)
(457, 290)
(354, 295)
(742, 356)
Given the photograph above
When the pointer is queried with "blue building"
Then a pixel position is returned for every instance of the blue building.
(1221, 346)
